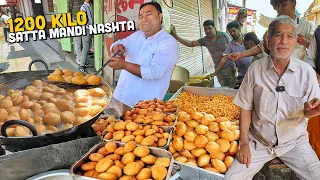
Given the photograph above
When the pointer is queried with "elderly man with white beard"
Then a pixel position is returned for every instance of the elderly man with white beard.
(277, 94)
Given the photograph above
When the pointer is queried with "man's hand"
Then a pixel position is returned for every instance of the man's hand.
(244, 155)
(119, 47)
(234, 56)
(117, 63)
(173, 31)
(312, 108)
(303, 41)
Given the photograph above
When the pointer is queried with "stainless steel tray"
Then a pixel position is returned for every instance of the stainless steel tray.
(165, 129)
(62, 174)
(204, 91)
(174, 123)
(76, 168)
(189, 172)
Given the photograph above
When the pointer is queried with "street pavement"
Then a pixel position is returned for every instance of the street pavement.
(16, 57)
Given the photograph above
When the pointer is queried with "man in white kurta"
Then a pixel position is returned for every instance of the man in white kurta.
(150, 56)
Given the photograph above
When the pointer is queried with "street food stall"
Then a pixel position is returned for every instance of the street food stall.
(58, 123)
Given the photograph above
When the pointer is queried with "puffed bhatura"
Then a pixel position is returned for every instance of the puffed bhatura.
(67, 72)
(4, 115)
(78, 74)
(55, 78)
(97, 92)
(51, 118)
(94, 80)
(58, 72)
(6, 103)
(79, 80)
(68, 117)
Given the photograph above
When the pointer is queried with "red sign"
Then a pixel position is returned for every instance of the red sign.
(12, 1)
(234, 11)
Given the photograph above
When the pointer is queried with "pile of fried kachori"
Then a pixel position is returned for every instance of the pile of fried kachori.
(74, 77)
(153, 112)
(202, 140)
(128, 162)
(146, 135)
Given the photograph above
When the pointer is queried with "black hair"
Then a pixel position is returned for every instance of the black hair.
(253, 37)
(155, 4)
(208, 23)
(275, 2)
(233, 24)
(243, 11)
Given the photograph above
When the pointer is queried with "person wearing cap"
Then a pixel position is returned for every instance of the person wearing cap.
(276, 96)
(150, 56)
(216, 42)
(241, 18)
(304, 29)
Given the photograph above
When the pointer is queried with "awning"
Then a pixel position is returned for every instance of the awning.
(265, 20)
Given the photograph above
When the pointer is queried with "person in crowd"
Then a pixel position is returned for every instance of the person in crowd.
(150, 56)
(273, 109)
(314, 60)
(4, 21)
(241, 18)
(12, 12)
(236, 45)
(86, 39)
(216, 42)
(77, 45)
(304, 30)
(251, 40)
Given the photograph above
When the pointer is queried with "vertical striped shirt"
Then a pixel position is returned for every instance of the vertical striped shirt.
(87, 7)
(216, 48)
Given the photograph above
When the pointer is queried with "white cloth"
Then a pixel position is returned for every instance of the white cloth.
(5, 18)
(312, 52)
(157, 56)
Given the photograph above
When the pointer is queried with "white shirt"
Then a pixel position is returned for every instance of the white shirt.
(157, 56)
(312, 52)
(5, 19)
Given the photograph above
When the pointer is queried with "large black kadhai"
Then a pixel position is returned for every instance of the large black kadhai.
(14, 144)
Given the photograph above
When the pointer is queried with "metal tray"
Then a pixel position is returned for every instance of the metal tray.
(174, 123)
(76, 168)
(62, 174)
(204, 91)
(189, 172)
(164, 128)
